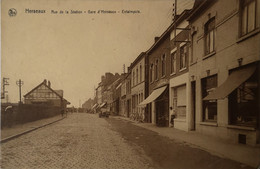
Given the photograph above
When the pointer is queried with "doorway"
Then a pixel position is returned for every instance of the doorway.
(193, 105)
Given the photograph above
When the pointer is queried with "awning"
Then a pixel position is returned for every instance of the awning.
(103, 104)
(95, 105)
(154, 95)
(119, 86)
(8, 107)
(234, 80)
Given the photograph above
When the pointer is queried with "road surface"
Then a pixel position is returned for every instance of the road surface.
(85, 141)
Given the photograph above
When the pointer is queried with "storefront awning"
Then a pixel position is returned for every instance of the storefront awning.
(103, 104)
(234, 80)
(154, 95)
(95, 105)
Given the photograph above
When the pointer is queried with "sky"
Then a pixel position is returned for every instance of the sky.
(73, 51)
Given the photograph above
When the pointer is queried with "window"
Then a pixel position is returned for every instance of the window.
(249, 16)
(133, 77)
(141, 73)
(151, 73)
(243, 103)
(173, 62)
(183, 57)
(210, 36)
(163, 65)
(156, 69)
(209, 106)
(193, 58)
(137, 76)
(179, 98)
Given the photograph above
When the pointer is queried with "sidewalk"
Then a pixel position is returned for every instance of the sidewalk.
(20, 129)
(245, 154)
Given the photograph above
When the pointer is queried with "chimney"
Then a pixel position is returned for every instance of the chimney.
(156, 39)
(49, 83)
(103, 78)
(45, 81)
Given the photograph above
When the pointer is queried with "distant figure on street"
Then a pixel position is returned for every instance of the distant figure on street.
(62, 112)
(66, 112)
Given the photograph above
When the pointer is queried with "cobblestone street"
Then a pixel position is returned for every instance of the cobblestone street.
(79, 141)
(85, 141)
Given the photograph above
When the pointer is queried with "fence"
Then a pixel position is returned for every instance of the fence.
(24, 113)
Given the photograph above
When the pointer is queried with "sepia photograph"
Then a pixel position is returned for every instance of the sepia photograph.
(130, 84)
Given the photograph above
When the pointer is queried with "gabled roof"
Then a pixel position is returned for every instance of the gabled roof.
(44, 83)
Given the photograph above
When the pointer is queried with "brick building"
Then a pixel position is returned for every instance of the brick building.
(158, 59)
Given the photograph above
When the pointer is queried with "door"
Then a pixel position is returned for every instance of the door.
(193, 105)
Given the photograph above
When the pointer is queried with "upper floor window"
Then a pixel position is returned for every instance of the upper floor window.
(133, 78)
(163, 65)
(137, 76)
(141, 72)
(210, 36)
(173, 62)
(156, 69)
(151, 73)
(249, 15)
(183, 57)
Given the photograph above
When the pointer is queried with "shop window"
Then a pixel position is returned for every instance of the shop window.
(173, 62)
(163, 65)
(183, 57)
(210, 36)
(249, 16)
(209, 106)
(243, 103)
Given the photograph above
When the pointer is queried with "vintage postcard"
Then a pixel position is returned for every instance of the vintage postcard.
(130, 84)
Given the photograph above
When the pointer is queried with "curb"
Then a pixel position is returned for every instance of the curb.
(28, 131)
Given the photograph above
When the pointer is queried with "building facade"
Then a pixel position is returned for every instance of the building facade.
(180, 94)
(43, 94)
(157, 102)
(138, 85)
(224, 69)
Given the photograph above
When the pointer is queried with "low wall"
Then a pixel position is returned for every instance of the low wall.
(27, 113)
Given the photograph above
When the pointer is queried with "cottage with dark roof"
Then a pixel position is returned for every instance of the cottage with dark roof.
(44, 94)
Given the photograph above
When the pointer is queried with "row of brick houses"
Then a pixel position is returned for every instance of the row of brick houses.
(201, 74)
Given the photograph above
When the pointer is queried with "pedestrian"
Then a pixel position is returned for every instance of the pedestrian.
(62, 112)
(67, 112)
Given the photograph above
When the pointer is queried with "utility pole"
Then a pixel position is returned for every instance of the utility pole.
(20, 83)
(5, 82)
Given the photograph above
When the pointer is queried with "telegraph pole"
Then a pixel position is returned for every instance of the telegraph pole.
(20, 83)
(5, 82)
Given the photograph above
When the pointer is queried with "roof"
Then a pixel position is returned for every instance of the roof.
(178, 19)
(44, 83)
(141, 55)
(198, 7)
